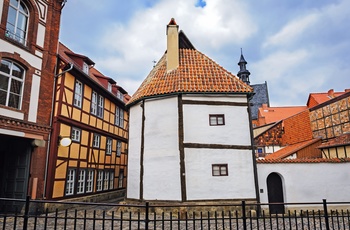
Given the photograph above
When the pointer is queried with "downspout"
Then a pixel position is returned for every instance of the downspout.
(51, 118)
(253, 155)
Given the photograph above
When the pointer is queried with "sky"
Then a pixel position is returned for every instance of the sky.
(298, 47)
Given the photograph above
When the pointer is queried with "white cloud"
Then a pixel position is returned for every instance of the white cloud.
(292, 31)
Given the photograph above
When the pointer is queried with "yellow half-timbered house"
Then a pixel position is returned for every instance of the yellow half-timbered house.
(88, 152)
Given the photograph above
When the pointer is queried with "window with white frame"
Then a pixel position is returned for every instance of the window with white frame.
(100, 106)
(90, 181)
(219, 170)
(76, 134)
(121, 178)
(109, 146)
(86, 68)
(216, 119)
(70, 182)
(97, 140)
(17, 21)
(106, 180)
(109, 87)
(120, 95)
(99, 181)
(119, 148)
(119, 117)
(81, 182)
(78, 94)
(93, 109)
(11, 84)
(111, 180)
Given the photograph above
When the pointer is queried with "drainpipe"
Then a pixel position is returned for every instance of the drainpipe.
(51, 118)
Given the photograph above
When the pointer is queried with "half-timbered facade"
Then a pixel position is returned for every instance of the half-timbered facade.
(190, 136)
(90, 111)
(28, 45)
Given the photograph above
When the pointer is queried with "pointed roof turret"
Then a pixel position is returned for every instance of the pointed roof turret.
(243, 73)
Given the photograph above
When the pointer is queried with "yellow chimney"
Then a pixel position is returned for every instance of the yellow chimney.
(172, 45)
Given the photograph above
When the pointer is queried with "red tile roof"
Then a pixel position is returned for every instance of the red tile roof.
(318, 98)
(305, 160)
(290, 149)
(268, 115)
(196, 73)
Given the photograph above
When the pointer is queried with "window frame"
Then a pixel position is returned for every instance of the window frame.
(119, 148)
(99, 181)
(96, 142)
(109, 144)
(121, 178)
(13, 34)
(106, 176)
(81, 181)
(75, 134)
(93, 107)
(100, 106)
(78, 94)
(217, 117)
(70, 182)
(119, 117)
(10, 79)
(89, 187)
(220, 170)
(111, 180)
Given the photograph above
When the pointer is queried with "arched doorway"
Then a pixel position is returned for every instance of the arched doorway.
(275, 193)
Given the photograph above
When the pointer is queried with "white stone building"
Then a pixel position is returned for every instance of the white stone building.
(190, 137)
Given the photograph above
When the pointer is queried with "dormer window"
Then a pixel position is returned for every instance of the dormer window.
(109, 87)
(120, 95)
(86, 68)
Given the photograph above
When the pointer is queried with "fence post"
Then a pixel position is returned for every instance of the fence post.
(26, 213)
(244, 217)
(147, 217)
(325, 213)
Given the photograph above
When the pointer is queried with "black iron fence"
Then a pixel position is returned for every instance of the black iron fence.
(36, 214)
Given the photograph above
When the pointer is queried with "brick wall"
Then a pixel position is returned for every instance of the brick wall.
(297, 128)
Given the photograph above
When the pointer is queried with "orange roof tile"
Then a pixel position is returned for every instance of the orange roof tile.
(196, 73)
(268, 115)
(305, 160)
(318, 98)
(290, 149)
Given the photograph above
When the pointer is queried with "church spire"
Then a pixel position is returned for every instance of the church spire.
(243, 73)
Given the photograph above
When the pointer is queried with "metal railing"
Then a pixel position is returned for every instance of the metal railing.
(37, 214)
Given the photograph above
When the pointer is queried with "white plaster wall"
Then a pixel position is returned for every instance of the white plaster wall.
(308, 182)
(272, 149)
(40, 35)
(135, 119)
(30, 58)
(234, 132)
(216, 97)
(34, 98)
(161, 150)
(201, 185)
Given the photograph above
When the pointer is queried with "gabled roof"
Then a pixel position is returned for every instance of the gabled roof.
(196, 73)
(269, 115)
(319, 98)
(291, 149)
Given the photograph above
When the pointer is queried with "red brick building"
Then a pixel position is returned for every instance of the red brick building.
(28, 44)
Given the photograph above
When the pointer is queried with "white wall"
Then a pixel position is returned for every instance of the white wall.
(161, 150)
(308, 182)
(201, 185)
(133, 184)
(196, 122)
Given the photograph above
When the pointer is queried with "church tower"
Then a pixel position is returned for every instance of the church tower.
(243, 73)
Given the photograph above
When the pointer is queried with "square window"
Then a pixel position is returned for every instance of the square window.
(219, 170)
(216, 119)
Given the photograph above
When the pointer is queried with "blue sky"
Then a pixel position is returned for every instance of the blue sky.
(298, 47)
